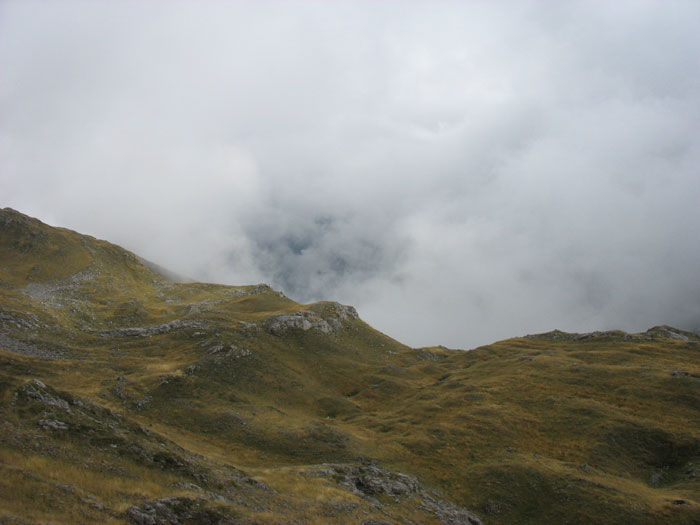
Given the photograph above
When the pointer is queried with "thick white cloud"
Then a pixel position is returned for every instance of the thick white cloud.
(460, 171)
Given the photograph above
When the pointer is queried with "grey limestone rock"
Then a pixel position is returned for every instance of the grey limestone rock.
(332, 321)
(26, 348)
(344, 311)
(671, 333)
(448, 513)
(427, 355)
(27, 320)
(369, 480)
(657, 331)
(175, 511)
(148, 331)
(52, 424)
(279, 324)
(188, 486)
(38, 391)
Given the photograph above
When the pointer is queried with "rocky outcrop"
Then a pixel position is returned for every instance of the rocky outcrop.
(95, 427)
(60, 293)
(71, 408)
(558, 335)
(230, 351)
(672, 333)
(619, 335)
(279, 324)
(200, 307)
(330, 319)
(24, 320)
(448, 513)
(148, 331)
(343, 311)
(174, 511)
(20, 347)
(370, 480)
(426, 355)
(37, 391)
(52, 424)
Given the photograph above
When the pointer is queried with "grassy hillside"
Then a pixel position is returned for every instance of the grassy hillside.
(128, 398)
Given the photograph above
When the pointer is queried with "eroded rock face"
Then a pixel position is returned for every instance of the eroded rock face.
(333, 320)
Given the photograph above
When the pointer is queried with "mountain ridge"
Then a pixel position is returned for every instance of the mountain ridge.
(127, 397)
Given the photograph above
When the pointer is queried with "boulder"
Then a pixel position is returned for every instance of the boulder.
(333, 317)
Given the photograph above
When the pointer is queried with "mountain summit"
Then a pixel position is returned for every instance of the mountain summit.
(126, 397)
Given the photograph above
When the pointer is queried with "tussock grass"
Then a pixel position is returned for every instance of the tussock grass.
(551, 428)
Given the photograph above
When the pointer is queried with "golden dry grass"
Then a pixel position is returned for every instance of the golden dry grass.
(554, 428)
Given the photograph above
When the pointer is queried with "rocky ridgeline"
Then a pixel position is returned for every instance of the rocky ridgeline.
(619, 335)
(309, 320)
(672, 333)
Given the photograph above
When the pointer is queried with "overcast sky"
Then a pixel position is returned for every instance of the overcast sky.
(461, 172)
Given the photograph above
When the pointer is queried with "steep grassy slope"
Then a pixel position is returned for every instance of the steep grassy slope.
(126, 397)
